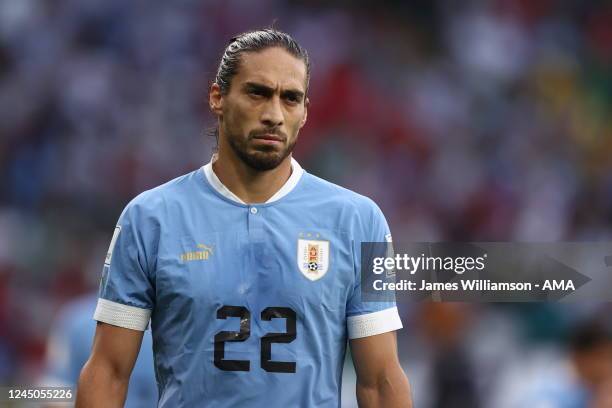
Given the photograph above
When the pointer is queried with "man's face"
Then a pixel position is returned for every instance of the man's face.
(265, 108)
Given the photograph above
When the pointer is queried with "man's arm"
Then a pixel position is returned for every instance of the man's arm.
(381, 382)
(105, 377)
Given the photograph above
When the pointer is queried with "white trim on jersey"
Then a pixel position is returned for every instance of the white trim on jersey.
(118, 314)
(370, 324)
(296, 173)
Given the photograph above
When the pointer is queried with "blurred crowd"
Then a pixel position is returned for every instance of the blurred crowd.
(465, 121)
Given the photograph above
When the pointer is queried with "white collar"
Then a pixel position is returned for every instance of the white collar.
(296, 174)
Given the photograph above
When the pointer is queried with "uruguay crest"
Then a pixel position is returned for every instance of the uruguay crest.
(313, 258)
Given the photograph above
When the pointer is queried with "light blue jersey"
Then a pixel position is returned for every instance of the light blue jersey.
(250, 305)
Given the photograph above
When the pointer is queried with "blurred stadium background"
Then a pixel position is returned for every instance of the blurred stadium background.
(465, 121)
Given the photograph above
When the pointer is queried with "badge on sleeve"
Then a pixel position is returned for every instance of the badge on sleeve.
(313, 258)
(111, 247)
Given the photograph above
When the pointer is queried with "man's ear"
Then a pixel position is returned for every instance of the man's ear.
(306, 104)
(215, 99)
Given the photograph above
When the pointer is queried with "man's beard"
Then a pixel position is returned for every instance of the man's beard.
(263, 158)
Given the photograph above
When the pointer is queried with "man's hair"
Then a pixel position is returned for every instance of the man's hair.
(254, 41)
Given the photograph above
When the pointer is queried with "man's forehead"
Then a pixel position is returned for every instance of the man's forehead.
(272, 67)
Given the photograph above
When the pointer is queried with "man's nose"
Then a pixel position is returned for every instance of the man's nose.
(272, 115)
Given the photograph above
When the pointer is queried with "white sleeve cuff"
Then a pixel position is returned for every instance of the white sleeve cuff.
(371, 324)
(118, 314)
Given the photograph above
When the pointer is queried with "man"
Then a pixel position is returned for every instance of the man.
(247, 268)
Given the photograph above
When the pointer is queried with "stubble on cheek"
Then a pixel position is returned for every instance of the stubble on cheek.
(231, 122)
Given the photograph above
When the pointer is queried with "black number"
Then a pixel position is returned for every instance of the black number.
(223, 336)
(267, 364)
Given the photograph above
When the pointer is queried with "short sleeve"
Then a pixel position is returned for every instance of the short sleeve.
(126, 295)
(370, 318)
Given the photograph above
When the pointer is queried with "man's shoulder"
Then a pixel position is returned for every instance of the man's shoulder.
(334, 194)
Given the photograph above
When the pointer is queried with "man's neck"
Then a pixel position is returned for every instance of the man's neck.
(251, 186)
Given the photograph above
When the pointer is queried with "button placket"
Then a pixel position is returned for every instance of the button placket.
(255, 223)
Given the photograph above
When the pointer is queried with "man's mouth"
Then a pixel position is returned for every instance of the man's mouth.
(269, 137)
(270, 140)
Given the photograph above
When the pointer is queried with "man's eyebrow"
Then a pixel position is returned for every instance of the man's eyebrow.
(255, 86)
(295, 93)
(258, 87)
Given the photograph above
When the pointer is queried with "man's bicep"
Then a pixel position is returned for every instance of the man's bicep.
(373, 355)
(381, 382)
(116, 347)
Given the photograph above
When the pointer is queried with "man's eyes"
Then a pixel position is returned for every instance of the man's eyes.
(260, 93)
(257, 92)
(293, 98)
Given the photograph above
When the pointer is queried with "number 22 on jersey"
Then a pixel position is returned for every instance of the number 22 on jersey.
(244, 314)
